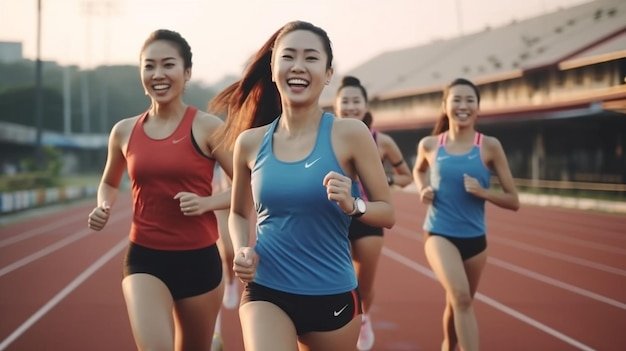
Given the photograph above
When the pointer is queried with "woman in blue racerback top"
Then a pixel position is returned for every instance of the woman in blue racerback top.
(460, 161)
(297, 166)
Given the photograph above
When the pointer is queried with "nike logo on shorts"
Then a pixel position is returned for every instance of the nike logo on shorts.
(337, 313)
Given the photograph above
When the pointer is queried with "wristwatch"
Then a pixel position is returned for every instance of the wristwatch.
(359, 208)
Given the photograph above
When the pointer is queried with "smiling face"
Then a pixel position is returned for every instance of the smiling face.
(163, 72)
(299, 67)
(461, 106)
(350, 103)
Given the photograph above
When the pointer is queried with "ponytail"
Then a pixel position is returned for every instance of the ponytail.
(252, 101)
(442, 125)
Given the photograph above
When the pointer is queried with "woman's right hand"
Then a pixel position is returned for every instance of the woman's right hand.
(244, 264)
(99, 216)
(427, 195)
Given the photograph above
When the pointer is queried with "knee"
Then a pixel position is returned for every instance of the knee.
(460, 300)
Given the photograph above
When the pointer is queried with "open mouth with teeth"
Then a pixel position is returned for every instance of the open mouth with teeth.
(160, 88)
(462, 116)
(297, 84)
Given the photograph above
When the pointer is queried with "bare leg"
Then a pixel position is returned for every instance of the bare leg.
(266, 327)
(365, 256)
(455, 276)
(195, 320)
(341, 339)
(149, 305)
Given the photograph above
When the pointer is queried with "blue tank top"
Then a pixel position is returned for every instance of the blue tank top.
(455, 212)
(302, 237)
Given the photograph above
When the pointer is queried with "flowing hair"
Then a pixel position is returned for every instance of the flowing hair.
(254, 100)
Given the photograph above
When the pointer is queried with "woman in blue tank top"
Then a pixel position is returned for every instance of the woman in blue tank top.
(296, 166)
(460, 161)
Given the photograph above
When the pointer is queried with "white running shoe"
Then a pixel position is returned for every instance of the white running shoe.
(366, 336)
(218, 343)
(231, 295)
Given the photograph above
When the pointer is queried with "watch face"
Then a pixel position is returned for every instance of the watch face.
(360, 204)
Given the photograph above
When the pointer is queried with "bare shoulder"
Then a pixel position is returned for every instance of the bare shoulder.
(428, 143)
(384, 139)
(208, 121)
(350, 127)
(491, 143)
(124, 126)
(250, 139)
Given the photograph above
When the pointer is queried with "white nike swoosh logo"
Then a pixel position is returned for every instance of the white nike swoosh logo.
(337, 313)
(176, 141)
(307, 165)
(471, 157)
(442, 158)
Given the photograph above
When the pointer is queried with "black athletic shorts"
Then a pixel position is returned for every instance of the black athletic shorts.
(360, 230)
(185, 273)
(468, 247)
(309, 313)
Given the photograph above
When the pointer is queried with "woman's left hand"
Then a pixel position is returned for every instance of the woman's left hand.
(190, 203)
(472, 186)
(339, 189)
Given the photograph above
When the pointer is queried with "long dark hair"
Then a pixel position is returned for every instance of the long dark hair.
(254, 100)
(443, 124)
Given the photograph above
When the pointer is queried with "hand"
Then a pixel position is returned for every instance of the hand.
(99, 216)
(190, 203)
(339, 189)
(427, 195)
(244, 264)
(472, 186)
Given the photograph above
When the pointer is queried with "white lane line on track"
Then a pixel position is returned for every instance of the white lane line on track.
(532, 275)
(549, 235)
(54, 247)
(563, 257)
(64, 293)
(40, 230)
(554, 282)
(491, 302)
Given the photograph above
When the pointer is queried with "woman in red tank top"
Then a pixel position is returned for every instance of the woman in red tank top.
(172, 270)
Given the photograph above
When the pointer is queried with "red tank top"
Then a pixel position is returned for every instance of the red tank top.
(158, 170)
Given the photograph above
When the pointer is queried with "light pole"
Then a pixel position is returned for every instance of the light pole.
(459, 17)
(93, 8)
(38, 95)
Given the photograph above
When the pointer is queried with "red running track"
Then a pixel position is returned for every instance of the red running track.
(556, 280)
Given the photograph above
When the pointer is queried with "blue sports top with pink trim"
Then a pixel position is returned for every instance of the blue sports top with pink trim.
(455, 212)
(302, 237)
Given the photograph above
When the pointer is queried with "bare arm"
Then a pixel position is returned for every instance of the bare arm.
(108, 188)
(192, 204)
(224, 157)
(507, 198)
(422, 165)
(241, 198)
(391, 152)
(370, 172)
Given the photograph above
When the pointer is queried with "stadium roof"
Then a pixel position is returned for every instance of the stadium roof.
(580, 35)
